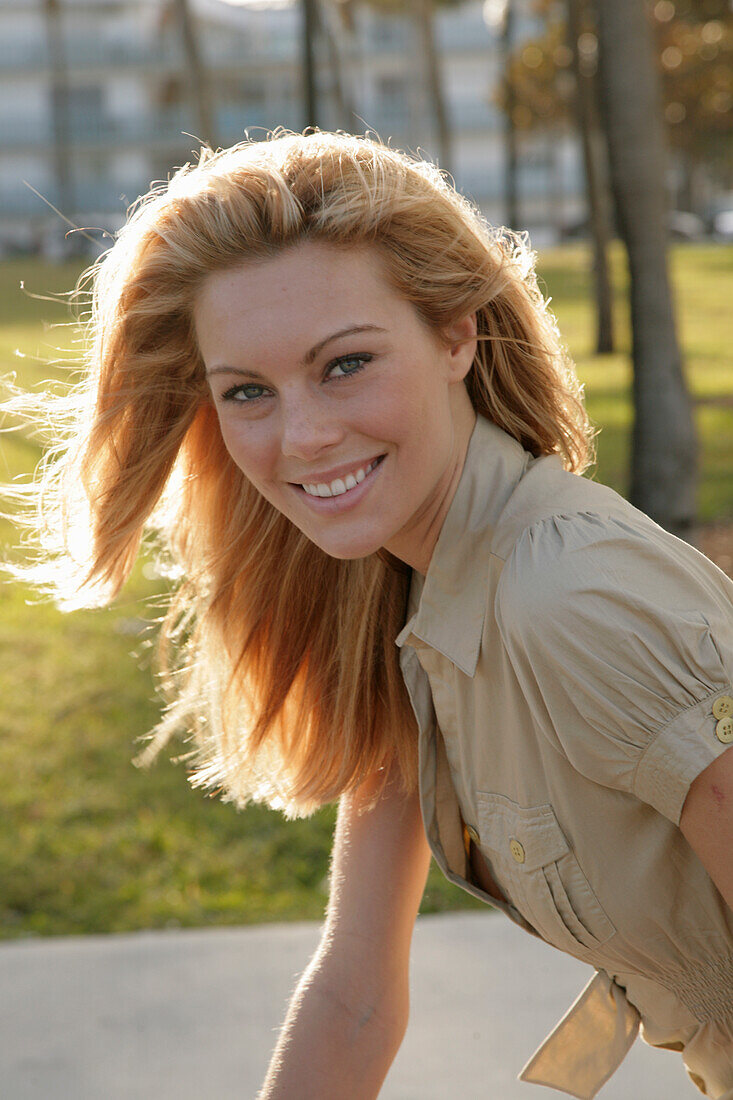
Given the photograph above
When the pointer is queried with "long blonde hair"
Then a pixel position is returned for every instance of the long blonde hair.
(292, 690)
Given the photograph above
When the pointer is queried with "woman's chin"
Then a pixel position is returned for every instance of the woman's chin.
(345, 549)
(349, 553)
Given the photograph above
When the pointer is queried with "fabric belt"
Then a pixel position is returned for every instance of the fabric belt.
(590, 1042)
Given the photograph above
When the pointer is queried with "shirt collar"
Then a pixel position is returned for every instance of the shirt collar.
(450, 606)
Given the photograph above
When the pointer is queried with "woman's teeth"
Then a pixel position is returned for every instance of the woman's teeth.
(339, 486)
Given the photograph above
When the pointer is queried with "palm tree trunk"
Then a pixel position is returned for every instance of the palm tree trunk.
(199, 86)
(663, 474)
(60, 121)
(511, 152)
(425, 22)
(338, 57)
(596, 184)
(308, 45)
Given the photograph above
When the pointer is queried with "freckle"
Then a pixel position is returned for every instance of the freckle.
(718, 795)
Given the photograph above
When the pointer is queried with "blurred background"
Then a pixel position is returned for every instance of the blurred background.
(604, 129)
(99, 97)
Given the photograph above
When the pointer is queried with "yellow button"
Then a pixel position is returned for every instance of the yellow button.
(473, 834)
(723, 706)
(517, 851)
(724, 730)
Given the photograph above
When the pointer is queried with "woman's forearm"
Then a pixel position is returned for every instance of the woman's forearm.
(337, 1040)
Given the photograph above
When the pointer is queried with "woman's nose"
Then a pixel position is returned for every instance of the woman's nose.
(308, 426)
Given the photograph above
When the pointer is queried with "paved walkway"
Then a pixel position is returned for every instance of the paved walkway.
(183, 1015)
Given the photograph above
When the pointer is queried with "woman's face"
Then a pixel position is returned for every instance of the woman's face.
(335, 400)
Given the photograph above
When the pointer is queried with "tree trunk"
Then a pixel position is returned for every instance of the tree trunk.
(310, 90)
(663, 468)
(60, 120)
(596, 181)
(338, 59)
(199, 84)
(511, 155)
(424, 15)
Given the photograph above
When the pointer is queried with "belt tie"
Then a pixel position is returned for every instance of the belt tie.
(589, 1043)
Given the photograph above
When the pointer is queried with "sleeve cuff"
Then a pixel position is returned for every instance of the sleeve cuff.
(676, 756)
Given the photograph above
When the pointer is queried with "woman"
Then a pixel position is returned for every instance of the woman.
(338, 400)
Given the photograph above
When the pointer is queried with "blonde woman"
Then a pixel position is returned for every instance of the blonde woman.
(337, 399)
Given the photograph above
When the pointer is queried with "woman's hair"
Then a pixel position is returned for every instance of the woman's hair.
(278, 659)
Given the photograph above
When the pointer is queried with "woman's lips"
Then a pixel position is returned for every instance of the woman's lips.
(338, 484)
(346, 499)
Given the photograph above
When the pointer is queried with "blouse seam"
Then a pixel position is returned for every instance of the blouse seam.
(605, 514)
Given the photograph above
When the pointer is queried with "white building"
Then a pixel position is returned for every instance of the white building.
(91, 116)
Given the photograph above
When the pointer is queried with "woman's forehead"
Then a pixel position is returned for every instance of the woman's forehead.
(300, 283)
(316, 258)
(298, 300)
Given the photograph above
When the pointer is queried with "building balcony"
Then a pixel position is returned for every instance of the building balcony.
(31, 55)
(463, 34)
(167, 130)
(474, 115)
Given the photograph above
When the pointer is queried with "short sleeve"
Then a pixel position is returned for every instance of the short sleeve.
(621, 638)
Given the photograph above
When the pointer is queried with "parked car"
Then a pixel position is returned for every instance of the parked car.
(683, 226)
(723, 225)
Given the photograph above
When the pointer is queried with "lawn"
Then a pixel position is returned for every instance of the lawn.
(89, 843)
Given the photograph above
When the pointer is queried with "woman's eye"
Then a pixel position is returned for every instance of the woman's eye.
(348, 365)
(244, 393)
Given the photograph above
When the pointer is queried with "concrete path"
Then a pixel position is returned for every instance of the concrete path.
(183, 1015)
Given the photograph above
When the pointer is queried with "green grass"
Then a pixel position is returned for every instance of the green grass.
(702, 278)
(89, 843)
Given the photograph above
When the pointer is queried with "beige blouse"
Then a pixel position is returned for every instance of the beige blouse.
(569, 664)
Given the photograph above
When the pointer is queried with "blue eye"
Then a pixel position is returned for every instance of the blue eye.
(348, 365)
(243, 393)
(247, 393)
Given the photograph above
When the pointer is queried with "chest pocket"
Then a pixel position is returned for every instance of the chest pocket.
(533, 863)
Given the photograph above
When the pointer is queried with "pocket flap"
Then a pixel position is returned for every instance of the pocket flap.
(522, 837)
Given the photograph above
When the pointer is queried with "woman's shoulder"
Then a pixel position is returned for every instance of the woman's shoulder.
(548, 492)
(557, 527)
(569, 545)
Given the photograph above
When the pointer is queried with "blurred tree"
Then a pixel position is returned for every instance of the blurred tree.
(309, 27)
(663, 461)
(694, 46)
(337, 28)
(551, 82)
(60, 120)
(695, 41)
(330, 23)
(426, 60)
(198, 83)
(423, 13)
(501, 15)
(596, 169)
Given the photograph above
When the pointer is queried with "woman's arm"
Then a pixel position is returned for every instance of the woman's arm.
(348, 1015)
(707, 821)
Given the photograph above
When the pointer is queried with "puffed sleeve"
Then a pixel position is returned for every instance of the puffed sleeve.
(621, 638)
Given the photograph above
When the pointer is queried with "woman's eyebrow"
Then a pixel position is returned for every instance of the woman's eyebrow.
(349, 331)
(309, 356)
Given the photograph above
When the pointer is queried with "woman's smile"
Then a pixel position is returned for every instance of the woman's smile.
(335, 399)
(341, 492)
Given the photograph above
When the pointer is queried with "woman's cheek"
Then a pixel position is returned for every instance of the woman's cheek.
(243, 444)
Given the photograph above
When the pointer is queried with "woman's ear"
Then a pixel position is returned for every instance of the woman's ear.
(462, 343)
